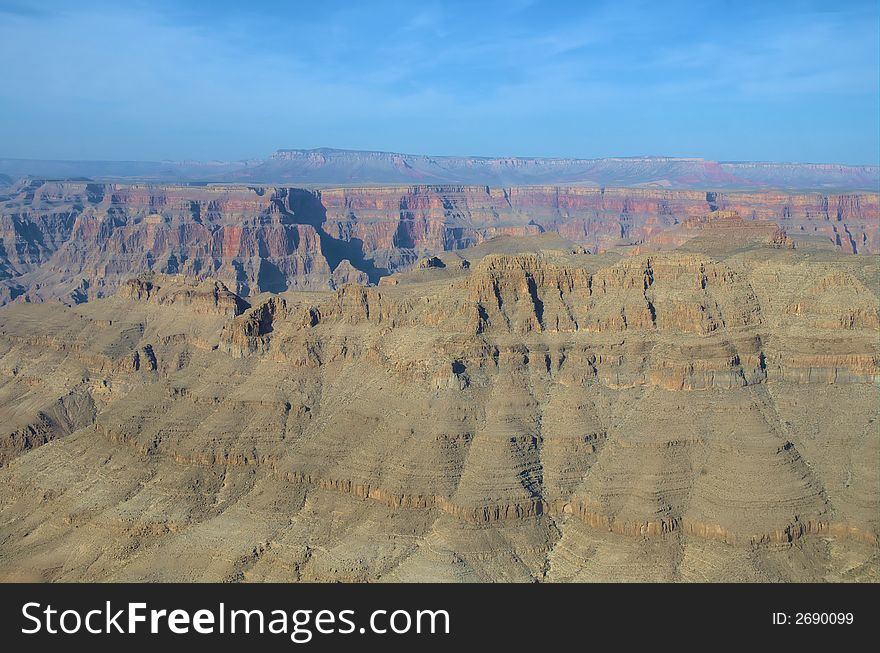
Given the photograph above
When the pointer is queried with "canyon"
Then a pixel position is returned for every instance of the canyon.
(702, 408)
(551, 382)
(77, 241)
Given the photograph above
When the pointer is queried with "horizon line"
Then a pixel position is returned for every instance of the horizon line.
(444, 156)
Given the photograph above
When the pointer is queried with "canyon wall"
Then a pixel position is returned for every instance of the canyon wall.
(77, 241)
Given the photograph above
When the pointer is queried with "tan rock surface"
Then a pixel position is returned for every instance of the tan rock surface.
(706, 413)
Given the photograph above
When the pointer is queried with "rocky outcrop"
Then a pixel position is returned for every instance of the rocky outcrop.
(207, 297)
(250, 333)
(55, 419)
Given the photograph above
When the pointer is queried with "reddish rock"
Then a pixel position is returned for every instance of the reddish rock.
(77, 241)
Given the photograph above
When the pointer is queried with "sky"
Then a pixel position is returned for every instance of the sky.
(137, 80)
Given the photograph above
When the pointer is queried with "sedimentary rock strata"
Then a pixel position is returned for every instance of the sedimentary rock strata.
(704, 411)
(78, 241)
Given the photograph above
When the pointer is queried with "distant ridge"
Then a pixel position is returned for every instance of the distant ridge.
(328, 166)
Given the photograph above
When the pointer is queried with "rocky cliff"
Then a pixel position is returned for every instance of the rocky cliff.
(513, 411)
(77, 241)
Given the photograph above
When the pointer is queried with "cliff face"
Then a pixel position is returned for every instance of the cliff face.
(80, 241)
(535, 414)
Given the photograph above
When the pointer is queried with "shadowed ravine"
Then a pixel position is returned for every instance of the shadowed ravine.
(305, 207)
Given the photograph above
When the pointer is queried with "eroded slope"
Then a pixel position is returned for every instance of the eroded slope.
(530, 414)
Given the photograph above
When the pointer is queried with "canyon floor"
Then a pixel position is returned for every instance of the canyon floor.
(700, 408)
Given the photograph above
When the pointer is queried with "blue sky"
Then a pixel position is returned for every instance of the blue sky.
(784, 81)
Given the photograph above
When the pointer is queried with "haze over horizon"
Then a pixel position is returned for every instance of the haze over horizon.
(469, 155)
(787, 82)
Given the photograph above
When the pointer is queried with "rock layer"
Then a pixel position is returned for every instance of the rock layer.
(535, 415)
(78, 241)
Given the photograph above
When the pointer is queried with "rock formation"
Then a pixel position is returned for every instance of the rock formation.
(521, 410)
(79, 241)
